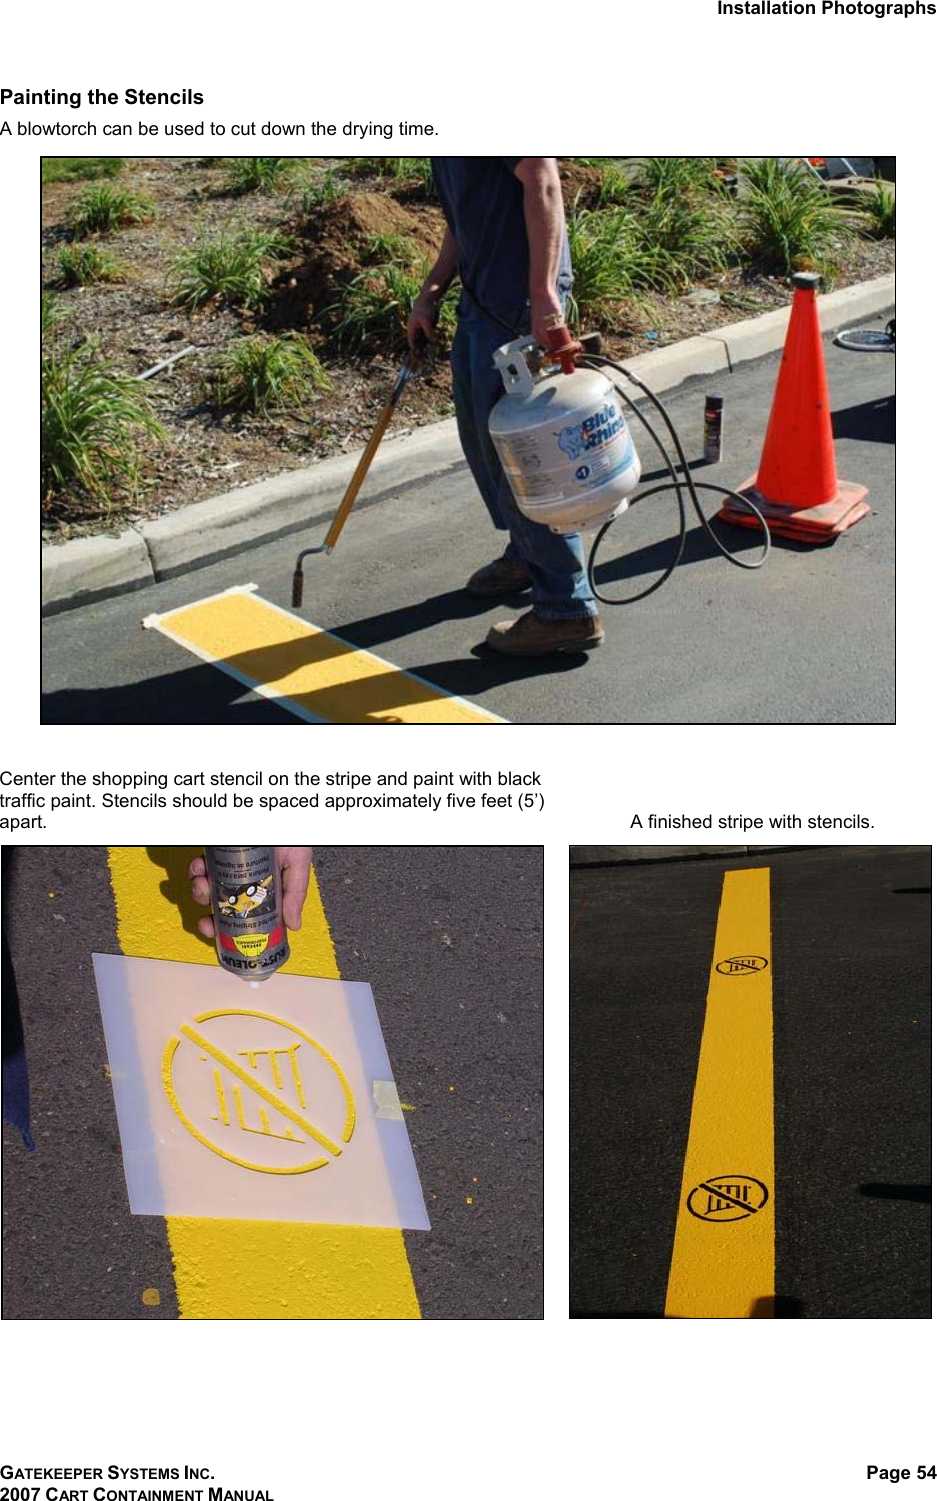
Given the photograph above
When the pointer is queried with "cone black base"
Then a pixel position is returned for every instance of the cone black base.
(817, 524)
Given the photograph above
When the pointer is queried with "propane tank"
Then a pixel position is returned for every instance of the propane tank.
(562, 440)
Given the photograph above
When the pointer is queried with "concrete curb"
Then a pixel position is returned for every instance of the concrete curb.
(93, 567)
(211, 529)
(755, 337)
(90, 568)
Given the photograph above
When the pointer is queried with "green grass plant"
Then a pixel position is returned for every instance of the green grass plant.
(876, 207)
(789, 221)
(364, 166)
(415, 171)
(100, 209)
(615, 188)
(92, 419)
(80, 168)
(81, 265)
(51, 315)
(380, 249)
(231, 267)
(669, 175)
(310, 195)
(613, 262)
(263, 373)
(694, 230)
(374, 309)
(258, 174)
(410, 171)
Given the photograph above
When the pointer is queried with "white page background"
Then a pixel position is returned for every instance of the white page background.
(611, 1409)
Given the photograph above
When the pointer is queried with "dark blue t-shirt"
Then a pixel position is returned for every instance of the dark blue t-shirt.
(483, 203)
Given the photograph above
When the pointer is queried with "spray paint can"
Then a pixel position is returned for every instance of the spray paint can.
(247, 905)
(712, 429)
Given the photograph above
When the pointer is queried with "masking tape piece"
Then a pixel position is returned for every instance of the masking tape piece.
(387, 1101)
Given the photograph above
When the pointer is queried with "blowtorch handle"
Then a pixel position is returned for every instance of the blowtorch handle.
(358, 478)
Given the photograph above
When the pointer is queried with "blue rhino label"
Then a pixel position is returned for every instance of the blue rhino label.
(604, 444)
(594, 433)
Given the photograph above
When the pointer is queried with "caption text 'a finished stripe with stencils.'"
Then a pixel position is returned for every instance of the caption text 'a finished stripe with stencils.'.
(722, 1265)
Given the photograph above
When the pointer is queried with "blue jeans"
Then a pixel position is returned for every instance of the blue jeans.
(555, 563)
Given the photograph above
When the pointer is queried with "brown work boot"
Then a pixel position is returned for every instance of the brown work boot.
(503, 576)
(530, 636)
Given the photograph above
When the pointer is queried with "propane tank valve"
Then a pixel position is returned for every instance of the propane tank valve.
(561, 346)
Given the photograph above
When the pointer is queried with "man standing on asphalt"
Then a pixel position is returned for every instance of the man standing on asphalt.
(506, 240)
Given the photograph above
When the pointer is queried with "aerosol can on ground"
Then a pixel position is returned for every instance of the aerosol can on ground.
(247, 905)
(712, 429)
(562, 440)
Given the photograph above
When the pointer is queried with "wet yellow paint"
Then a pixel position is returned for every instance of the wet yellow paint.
(150, 1297)
(249, 1269)
(306, 670)
(231, 1067)
(723, 1256)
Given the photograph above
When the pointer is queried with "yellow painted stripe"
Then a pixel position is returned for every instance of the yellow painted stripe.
(249, 1269)
(722, 1267)
(307, 671)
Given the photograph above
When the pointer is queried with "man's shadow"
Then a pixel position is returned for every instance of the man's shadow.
(867, 422)
(203, 695)
(175, 860)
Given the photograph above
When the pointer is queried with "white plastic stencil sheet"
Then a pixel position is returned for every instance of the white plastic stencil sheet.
(270, 1101)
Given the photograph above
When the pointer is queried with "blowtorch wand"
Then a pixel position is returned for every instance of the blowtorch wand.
(411, 362)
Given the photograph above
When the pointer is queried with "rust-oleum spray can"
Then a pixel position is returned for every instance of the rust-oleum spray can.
(712, 429)
(247, 904)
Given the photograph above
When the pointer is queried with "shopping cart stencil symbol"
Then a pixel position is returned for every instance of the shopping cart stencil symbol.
(274, 1081)
(720, 1200)
(260, 1091)
(742, 964)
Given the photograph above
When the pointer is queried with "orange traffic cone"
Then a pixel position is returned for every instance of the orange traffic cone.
(797, 489)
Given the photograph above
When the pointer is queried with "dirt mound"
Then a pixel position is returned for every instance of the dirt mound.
(337, 245)
(580, 183)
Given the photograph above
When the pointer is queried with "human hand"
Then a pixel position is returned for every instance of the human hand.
(546, 314)
(421, 324)
(294, 861)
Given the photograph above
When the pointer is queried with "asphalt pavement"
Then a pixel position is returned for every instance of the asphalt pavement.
(851, 944)
(810, 639)
(450, 941)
